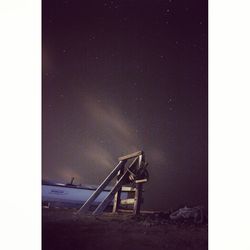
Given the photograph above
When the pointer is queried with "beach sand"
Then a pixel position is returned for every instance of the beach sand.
(62, 230)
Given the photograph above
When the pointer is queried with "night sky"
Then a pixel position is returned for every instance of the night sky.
(121, 76)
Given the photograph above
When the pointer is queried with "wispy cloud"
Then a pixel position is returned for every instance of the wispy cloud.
(107, 133)
(99, 156)
(109, 117)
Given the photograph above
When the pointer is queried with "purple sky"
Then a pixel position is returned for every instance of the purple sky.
(121, 76)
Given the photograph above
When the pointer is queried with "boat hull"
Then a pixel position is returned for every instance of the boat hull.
(58, 195)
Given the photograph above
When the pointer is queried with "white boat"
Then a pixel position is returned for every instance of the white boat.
(70, 195)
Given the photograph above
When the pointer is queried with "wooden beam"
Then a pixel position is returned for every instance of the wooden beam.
(117, 198)
(128, 189)
(126, 157)
(130, 201)
(138, 198)
(141, 181)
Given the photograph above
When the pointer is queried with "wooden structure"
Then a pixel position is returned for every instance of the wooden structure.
(134, 175)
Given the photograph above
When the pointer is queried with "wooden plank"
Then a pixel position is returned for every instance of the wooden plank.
(128, 189)
(138, 198)
(126, 157)
(126, 211)
(87, 204)
(141, 181)
(130, 201)
(117, 199)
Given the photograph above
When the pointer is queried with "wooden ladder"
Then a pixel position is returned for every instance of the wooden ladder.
(124, 175)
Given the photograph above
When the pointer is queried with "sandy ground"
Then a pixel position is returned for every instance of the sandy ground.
(62, 230)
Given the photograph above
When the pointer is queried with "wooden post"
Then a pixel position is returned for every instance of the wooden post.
(117, 198)
(138, 198)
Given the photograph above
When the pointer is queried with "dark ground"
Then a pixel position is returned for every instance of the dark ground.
(61, 229)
